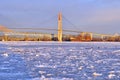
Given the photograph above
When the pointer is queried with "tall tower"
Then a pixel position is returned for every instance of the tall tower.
(60, 27)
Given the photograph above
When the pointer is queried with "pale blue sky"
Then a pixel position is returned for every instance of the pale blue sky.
(100, 16)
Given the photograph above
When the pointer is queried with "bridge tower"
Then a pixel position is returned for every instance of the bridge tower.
(60, 27)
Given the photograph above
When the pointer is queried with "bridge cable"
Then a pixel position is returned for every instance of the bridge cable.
(74, 26)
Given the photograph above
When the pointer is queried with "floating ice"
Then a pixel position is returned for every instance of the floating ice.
(97, 74)
(116, 51)
(42, 72)
(5, 54)
(59, 61)
(80, 68)
(111, 75)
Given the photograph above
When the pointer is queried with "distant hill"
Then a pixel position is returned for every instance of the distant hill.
(4, 29)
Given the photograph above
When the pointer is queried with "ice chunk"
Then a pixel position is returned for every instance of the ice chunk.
(97, 74)
(80, 68)
(111, 75)
(5, 54)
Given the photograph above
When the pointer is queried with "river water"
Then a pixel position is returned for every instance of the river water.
(59, 61)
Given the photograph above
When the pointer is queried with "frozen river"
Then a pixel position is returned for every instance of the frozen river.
(59, 61)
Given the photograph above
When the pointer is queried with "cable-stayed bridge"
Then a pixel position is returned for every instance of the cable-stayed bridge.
(50, 34)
